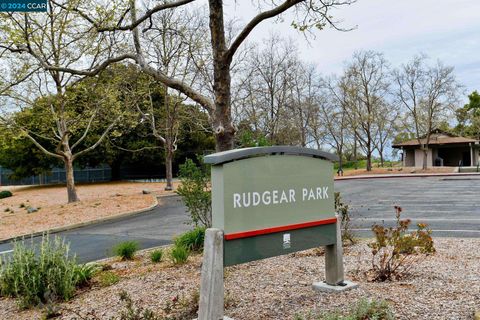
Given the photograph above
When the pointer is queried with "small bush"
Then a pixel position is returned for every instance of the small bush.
(5, 194)
(179, 254)
(84, 273)
(192, 240)
(39, 275)
(126, 250)
(182, 307)
(133, 312)
(195, 192)
(363, 310)
(156, 255)
(107, 278)
(395, 250)
(342, 210)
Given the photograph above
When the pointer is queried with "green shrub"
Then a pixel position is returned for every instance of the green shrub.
(107, 278)
(156, 255)
(192, 240)
(363, 310)
(195, 192)
(179, 254)
(34, 278)
(84, 273)
(395, 249)
(5, 194)
(126, 250)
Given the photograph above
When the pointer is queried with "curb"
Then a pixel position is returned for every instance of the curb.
(407, 175)
(92, 222)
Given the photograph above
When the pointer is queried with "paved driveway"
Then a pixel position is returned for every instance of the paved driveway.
(150, 229)
(450, 205)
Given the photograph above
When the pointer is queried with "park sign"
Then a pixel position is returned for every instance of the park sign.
(271, 201)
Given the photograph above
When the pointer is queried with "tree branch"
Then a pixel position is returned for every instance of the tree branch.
(39, 146)
(254, 22)
(104, 134)
(86, 130)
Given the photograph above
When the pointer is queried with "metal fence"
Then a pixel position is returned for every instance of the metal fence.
(57, 175)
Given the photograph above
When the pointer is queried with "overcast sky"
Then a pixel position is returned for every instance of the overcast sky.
(448, 30)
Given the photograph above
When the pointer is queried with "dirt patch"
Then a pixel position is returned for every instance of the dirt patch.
(445, 286)
(97, 201)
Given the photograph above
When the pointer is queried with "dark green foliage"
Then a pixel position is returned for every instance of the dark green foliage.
(5, 194)
(20, 155)
(468, 117)
(395, 249)
(179, 254)
(195, 192)
(247, 140)
(48, 276)
(342, 210)
(156, 255)
(126, 250)
(192, 240)
(363, 310)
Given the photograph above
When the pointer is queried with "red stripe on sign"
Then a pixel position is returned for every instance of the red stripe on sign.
(253, 233)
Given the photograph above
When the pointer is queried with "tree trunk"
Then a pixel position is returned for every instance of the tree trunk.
(168, 166)
(355, 152)
(71, 190)
(425, 158)
(223, 128)
(369, 161)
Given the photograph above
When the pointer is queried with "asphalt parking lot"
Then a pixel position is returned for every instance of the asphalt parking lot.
(449, 205)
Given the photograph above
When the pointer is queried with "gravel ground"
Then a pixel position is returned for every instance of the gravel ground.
(444, 286)
(97, 201)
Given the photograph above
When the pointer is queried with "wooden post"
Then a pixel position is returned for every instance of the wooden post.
(334, 259)
(211, 286)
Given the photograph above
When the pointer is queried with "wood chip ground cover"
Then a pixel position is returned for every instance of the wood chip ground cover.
(445, 286)
(98, 201)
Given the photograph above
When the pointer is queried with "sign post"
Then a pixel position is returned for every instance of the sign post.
(269, 201)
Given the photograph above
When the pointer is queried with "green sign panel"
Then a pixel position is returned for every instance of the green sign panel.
(271, 203)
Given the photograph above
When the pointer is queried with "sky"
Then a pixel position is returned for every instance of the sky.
(448, 30)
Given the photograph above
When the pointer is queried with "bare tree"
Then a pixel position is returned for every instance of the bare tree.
(386, 126)
(316, 14)
(427, 94)
(334, 106)
(176, 51)
(305, 87)
(366, 80)
(266, 89)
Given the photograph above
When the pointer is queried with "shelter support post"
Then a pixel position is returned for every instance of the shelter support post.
(471, 155)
